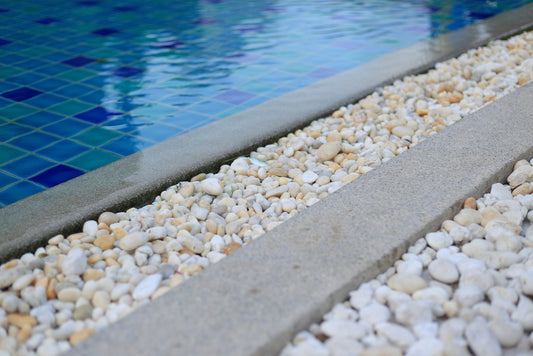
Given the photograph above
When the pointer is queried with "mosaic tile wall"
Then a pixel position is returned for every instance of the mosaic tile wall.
(86, 83)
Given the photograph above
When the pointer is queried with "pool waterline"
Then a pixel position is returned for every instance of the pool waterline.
(83, 95)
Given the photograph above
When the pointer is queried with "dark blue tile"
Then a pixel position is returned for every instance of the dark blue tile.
(56, 175)
(78, 61)
(204, 21)
(19, 191)
(63, 150)
(234, 96)
(50, 84)
(6, 179)
(4, 86)
(39, 119)
(127, 72)
(126, 145)
(45, 100)
(4, 42)
(105, 31)
(67, 127)
(27, 166)
(47, 20)
(21, 94)
(157, 132)
(33, 141)
(125, 8)
(97, 115)
(26, 78)
(88, 3)
(126, 123)
(74, 90)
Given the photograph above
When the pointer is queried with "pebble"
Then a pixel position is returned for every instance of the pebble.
(406, 282)
(147, 286)
(443, 270)
(75, 262)
(211, 186)
(133, 240)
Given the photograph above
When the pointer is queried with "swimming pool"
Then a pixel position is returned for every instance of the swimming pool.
(87, 84)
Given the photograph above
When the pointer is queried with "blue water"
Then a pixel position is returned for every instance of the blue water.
(83, 84)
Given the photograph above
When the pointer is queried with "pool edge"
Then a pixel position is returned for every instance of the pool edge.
(137, 179)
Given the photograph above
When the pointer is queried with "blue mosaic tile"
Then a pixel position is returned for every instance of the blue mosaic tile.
(8, 131)
(127, 145)
(67, 127)
(27, 166)
(4, 42)
(157, 132)
(49, 84)
(39, 119)
(74, 90)
(19, 191)
(6, 179)
(47, 20)
(97, 115)
(21, 94)
(126, 123)
(31, 64)
(235, 97)
(127, 72)
(53, 69)
(26, 78)
(56, 175)
(186, 120)
(105, 31)
(78, 61)
(63, 150)
(44, 101)
(33, 141)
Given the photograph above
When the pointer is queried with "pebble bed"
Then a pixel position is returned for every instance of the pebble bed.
(465, 289)
(62, 293)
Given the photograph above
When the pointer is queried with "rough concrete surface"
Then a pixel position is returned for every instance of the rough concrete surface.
(137, 179)
(254, 301)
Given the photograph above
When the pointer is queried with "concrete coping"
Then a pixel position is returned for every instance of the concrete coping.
(254, 301)
(137, 179)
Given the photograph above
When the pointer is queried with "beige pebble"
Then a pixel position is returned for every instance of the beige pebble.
(92, 274)
(80, 335)
(328, 151)
(104, 242)
(108, 218)
(21, 320)
(230, 248)
(406, 282)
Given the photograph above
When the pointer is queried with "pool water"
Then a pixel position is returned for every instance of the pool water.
(86, 83)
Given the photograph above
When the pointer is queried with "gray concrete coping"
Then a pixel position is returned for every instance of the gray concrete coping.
(254, 301)
(137, 179)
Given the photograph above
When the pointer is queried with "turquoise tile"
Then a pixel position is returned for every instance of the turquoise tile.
(93, 159)
(96, 136)
(9, 153)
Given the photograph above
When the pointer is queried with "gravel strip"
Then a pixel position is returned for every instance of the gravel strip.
(59, 295)
(465, 289)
